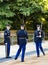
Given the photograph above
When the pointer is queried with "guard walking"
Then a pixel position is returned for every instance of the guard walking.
(38, 37)
(22, 37)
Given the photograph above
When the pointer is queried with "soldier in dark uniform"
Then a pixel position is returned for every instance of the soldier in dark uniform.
(38, 37)
(7, 40)
(22, 37)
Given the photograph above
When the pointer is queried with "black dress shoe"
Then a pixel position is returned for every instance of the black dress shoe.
(22, 61)
(9, 57)
(38, 56)
(44, 54)
(6, 57)
(15, 58)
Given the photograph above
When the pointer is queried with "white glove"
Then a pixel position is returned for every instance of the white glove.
(5, 43)
(40, 36)
(27, 40)
(37, 36)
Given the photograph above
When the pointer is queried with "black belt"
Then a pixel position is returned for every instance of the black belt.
(22, 37)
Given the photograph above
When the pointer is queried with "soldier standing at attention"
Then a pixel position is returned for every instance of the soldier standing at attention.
(22, 37)
(38, 37)
(7, 41)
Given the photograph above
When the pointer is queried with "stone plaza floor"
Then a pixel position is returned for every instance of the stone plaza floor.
(30, 55)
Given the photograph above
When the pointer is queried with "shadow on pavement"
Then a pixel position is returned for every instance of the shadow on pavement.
(12, 57)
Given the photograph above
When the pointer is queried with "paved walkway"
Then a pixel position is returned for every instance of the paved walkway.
(43, 60)
(30, 57)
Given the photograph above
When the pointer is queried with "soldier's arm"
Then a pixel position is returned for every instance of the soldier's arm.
(5, 33)
(5, 36)
(26, 35)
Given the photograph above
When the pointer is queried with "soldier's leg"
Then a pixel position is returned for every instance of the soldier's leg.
(8, 49)
(23, 52)
(41, 48)
(18, 52)
(37, 49)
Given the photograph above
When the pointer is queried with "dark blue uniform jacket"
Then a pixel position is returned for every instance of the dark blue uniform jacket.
(6, 36)
(38, 39)
(21, 37)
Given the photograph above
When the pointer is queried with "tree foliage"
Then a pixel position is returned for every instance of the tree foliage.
(29, 12)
